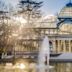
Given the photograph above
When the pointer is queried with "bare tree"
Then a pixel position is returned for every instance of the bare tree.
(30, 9)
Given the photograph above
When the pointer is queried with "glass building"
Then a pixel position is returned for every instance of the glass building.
(20, 42)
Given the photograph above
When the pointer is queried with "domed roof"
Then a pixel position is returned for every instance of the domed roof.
(66, 12)
(66, 26)
(48, 21)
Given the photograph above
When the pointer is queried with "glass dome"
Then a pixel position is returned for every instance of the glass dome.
(66, 12)
(66, 26)
(48, 21)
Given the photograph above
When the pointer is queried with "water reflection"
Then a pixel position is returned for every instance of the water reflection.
(31, 67)
(62, 67)
(21, 68)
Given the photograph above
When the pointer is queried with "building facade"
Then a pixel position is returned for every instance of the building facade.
(22, 41)
(19, 37)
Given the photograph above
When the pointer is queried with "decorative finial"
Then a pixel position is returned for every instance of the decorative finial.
(69, 4)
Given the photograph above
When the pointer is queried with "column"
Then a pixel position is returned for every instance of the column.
(64, 46)
(61, 46)
(54, 45)
(69, 45)
(58, 45)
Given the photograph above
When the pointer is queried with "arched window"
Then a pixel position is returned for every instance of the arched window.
(51, 45)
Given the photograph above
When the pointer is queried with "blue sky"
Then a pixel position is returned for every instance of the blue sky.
(49, 6)
(53, 6)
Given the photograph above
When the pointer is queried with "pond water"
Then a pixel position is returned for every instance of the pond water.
(58, 67)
